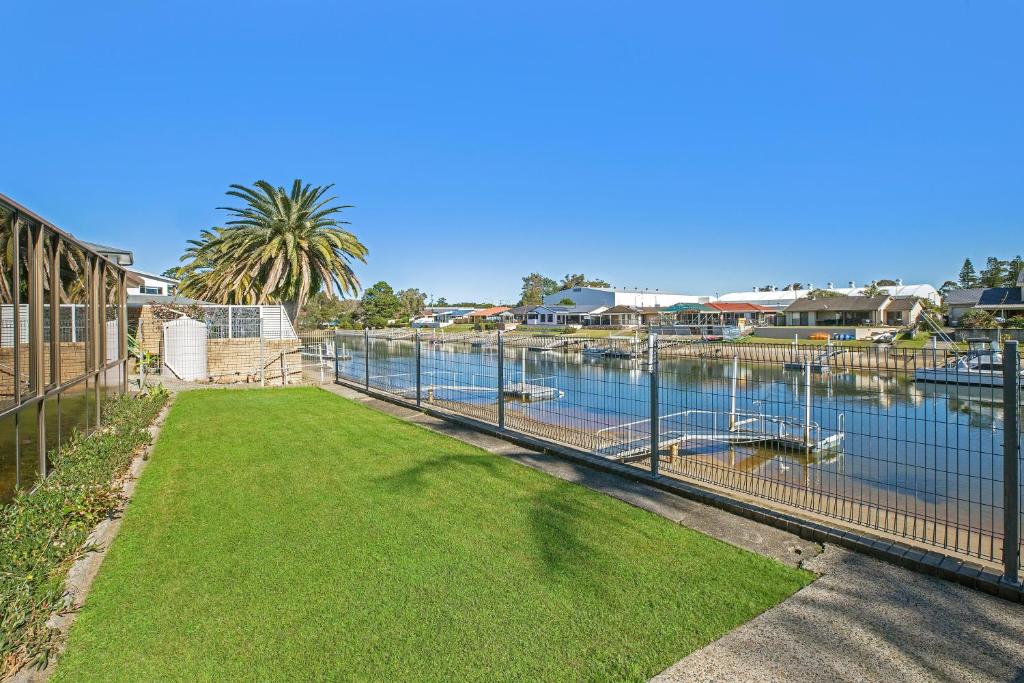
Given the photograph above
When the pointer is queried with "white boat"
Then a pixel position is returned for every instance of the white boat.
(594, 351)
(981, 366)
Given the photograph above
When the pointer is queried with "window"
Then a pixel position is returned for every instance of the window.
(151, 290)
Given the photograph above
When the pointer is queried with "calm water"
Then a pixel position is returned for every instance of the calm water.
(929, 450)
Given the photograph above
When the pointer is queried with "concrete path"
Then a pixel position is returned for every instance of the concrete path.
(862, 620)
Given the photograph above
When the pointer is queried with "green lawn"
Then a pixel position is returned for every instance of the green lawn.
(287, 534)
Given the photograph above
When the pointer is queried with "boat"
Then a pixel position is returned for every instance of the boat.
(980, 366)
(594, 351)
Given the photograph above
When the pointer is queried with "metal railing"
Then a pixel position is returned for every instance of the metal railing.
(901, 442)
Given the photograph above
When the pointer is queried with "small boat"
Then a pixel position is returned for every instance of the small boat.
(981, 366)
(593, 351)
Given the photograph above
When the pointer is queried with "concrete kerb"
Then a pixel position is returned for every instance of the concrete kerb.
(893, 552)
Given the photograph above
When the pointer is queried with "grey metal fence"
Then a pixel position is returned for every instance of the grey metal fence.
(919, 445)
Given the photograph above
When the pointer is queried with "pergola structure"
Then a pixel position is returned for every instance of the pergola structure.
(63, 341)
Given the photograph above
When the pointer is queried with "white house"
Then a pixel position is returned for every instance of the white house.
(154, 284)
(781, 299)
(595, 297)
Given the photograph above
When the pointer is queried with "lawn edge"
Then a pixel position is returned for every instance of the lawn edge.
(94, 549)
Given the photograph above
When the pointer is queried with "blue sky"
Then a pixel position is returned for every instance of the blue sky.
(695, 147)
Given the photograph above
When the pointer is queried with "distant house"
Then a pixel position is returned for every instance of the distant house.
(845, 311)
(154, 284)
(555, 315)
(745, 314)
(492, 314)
(519, 313)
(1002, 302)
(620, 316)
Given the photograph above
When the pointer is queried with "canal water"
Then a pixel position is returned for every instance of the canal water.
(927, 450)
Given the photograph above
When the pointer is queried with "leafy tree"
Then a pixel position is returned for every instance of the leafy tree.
(873, 290)
(1014, 268)
(968, 276)
(1015, 323)
(766, 288)
(580, 280)
(323, 310)
(793, 287)
(473, 304)
(279, 247)
(174, 272)
(994, 274)
(441, 302)
(413, 301)
(823, 293)
(947, 287)
(886, 283)
(535, 288)
(977, 319)
(380, 305)
(566, 301)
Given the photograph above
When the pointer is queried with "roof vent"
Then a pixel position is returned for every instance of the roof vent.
(852, 284)
(831, 285)
(899, 282)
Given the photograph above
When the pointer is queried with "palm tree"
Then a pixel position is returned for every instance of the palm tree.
(280, 247)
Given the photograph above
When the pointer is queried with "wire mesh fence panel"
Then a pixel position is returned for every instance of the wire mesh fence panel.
(904, 442)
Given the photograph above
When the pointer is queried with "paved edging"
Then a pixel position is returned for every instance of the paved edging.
(927, 562)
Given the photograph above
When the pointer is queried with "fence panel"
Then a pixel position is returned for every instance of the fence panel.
(907, 443)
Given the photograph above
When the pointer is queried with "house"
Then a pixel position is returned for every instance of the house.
(779, 300)
(491, 315)
(553, 315)
(620, 316)
(154, 284)
(847, 311)
(607, 297)
(743, 314)
(519, 313)
(1002, 302)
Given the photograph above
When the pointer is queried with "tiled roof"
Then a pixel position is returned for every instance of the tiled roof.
(486, 312)
(838, 303)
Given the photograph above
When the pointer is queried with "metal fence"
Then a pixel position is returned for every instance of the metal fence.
(910, 444)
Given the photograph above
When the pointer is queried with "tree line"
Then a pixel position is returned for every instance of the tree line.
(996, 273)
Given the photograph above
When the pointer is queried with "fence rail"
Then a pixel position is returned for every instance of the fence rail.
(918, 445)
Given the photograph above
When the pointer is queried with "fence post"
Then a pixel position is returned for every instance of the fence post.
(366, 357)
(263, 360)
(419, 382)
(1011, 462)
(501, 381)
(337, 356)
(652, 360)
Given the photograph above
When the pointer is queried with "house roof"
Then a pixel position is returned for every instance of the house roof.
(154, 276)
(622, 309)
(838, 303)
(487, 312)
(571, 310)
(964, 297)
(1000, 297)
(520, 310)
(739, 307)
(904, 303)
(683, 307)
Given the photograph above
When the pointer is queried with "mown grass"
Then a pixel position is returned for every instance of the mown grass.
(291, 534)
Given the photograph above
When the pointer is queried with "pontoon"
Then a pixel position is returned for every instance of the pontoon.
(980, 366)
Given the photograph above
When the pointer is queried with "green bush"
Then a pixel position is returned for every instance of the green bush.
(1015, 323)
(42, 531)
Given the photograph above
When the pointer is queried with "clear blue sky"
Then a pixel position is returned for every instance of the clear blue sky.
(696, 147)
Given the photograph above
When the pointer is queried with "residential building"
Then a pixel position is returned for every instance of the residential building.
(154, 284)
(846, 311)
(575, 315)
(492, 314)
(1002, 302)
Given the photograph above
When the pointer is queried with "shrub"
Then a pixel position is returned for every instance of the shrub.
(977, 319)
(1015, 323)
(42, 531)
